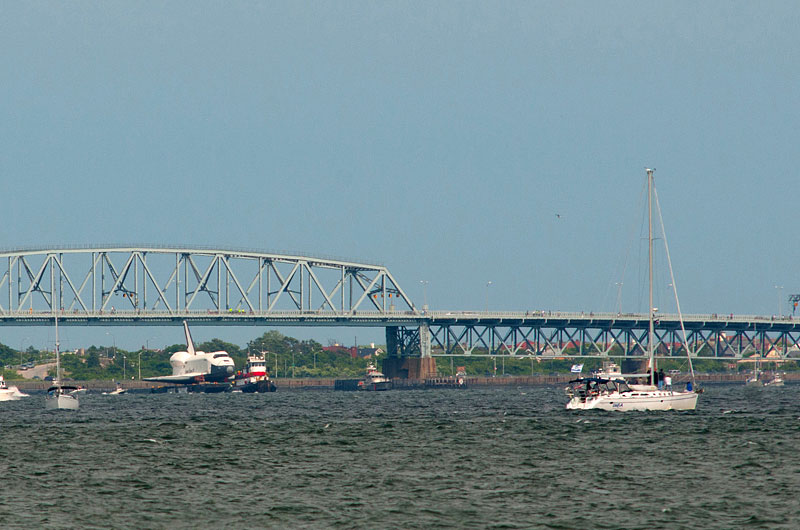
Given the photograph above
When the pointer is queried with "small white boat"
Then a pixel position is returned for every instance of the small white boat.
(116, 392)
(60, 397)
(753, 380)
(9, 393)
(775, 380)
(610, 370)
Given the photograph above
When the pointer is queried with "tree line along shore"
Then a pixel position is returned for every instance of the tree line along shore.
(290, 358)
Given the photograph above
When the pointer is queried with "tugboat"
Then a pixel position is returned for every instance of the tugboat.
(375, 380)
(254, 377)
(461, 377)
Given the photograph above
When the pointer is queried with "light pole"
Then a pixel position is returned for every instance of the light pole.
(487, 294)
(140, 365)
(114, 341)
(424, 294)
(21, 343)
(779, 289)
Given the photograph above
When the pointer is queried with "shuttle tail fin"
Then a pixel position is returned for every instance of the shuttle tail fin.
(189, 342)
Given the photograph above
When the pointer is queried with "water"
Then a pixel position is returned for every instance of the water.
(475, 458)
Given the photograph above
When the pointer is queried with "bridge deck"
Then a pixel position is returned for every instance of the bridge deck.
(547, 319)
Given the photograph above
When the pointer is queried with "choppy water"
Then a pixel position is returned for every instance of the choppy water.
(475, 458)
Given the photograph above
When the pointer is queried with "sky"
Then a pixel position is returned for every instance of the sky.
(457, 143)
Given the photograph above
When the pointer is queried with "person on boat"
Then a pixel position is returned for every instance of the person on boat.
(688, 386)
(668, 382)
(660, 379)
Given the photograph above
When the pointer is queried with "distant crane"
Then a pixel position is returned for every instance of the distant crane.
(793, 300)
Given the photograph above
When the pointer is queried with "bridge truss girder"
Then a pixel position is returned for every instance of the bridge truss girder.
(574, 341)
(175, 281)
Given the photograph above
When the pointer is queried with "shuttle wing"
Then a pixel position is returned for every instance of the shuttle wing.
(195, 377)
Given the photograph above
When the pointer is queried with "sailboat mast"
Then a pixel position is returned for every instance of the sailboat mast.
(650, 271)
(58, 357)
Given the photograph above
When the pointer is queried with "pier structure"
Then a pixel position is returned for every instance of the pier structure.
(164, 285)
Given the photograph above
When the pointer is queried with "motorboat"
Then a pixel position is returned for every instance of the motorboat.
(9, 393)
(610, 370)
(375, 380)
(254, 377)
(775, 379)
(116, 392)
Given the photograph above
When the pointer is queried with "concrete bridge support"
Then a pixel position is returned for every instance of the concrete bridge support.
(409, 353)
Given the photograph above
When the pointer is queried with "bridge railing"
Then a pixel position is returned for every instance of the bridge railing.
(590, 315)
(422, 316)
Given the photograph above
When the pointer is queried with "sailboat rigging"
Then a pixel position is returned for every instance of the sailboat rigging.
(60, 397)
(613, 392)
(755, 379)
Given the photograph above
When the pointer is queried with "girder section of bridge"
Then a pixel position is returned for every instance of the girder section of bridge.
(599, 335)
(99, 283)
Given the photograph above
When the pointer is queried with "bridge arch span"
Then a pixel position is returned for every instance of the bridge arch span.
(174, 282)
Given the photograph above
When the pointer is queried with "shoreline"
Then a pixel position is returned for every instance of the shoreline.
(328, 383)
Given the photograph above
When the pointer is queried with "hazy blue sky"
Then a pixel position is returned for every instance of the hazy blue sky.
(438, 138)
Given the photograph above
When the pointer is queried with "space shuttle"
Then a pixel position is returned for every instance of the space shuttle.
(192, 366)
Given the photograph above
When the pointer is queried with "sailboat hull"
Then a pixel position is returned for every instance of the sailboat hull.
(61, 402)
(658, 400)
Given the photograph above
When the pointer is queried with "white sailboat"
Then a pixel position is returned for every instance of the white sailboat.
(615, 393)
(755, 379)
(60, 397)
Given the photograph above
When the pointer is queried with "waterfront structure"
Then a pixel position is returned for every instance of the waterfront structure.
(152, 285)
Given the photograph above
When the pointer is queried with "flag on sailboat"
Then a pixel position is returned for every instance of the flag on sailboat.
(576, 368)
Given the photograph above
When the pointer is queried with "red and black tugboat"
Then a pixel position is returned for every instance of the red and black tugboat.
(254, 377)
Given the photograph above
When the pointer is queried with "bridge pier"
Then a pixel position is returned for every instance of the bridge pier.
(409, 353)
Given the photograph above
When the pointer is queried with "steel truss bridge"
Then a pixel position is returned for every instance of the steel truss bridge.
(151, 285)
